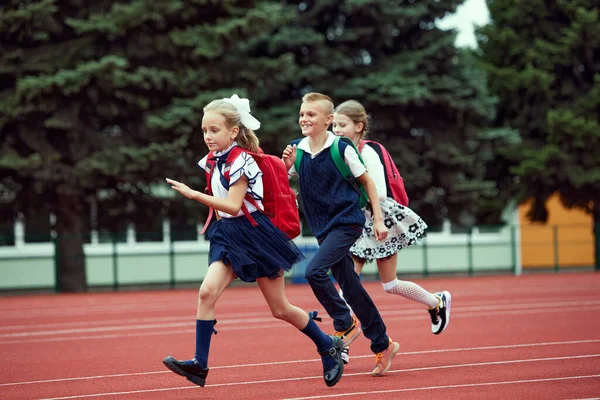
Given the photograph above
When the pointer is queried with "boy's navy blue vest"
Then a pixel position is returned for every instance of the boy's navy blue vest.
(328, 200)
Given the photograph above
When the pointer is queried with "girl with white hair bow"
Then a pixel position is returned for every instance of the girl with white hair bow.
(237, 249)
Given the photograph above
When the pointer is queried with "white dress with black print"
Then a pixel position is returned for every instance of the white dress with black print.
(405, 227)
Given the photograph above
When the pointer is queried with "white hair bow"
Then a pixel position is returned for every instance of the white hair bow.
(243, 107)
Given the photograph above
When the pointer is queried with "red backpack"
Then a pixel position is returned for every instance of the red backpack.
(393, 180)
(279, 200)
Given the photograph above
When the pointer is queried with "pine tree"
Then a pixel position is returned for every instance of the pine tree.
(428, 101)
(100, 101)
(543, 60)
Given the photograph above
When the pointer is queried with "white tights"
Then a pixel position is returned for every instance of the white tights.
(411, 291)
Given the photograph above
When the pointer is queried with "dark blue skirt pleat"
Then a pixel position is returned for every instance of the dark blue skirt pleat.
(252, 251)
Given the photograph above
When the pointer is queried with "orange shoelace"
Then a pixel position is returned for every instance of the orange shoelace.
(341, 334)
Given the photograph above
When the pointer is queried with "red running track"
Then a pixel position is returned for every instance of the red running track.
(528, 337)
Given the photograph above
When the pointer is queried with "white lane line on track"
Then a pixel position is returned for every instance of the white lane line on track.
(62, 310)
(58, 310)
(263, 323)
(392, 308)
(127, 321)
(464, 385)
(228, 319)
(408, 353)
(345, 375)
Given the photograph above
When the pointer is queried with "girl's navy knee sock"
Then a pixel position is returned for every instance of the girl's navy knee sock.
(204, 331)
(321, 340)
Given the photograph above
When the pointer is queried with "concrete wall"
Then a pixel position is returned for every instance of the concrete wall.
(31, 265)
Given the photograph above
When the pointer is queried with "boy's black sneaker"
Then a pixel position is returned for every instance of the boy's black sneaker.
(192, 371)
(440, 316)
(334, 374)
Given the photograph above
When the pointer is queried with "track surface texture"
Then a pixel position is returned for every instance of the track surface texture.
(510, 337)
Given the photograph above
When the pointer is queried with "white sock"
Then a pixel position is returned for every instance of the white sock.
(411, 291)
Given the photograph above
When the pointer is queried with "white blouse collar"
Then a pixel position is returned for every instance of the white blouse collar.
(220, 153)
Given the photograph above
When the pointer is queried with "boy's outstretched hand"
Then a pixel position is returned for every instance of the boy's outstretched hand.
(289, 156)
(380, 231)
(181, 188)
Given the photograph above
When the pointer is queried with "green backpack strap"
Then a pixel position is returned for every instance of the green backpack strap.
(344, 169)
(297, 163)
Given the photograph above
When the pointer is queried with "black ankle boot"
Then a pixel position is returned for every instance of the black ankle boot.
(192, 372)
(334, 374)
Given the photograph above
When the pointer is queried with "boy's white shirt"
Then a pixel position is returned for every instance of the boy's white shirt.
(350, 155)
(244, 164)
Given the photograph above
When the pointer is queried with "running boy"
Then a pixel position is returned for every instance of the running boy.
(332, 209)
(239, 249)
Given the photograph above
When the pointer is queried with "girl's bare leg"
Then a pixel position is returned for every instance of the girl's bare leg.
(359, 263)
(218, 277)
(329, 348)
(273, 291)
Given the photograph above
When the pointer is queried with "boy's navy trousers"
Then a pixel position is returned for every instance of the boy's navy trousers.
(333, 254)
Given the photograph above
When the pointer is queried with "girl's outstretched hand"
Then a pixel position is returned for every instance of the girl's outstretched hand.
(181, 188)
(380, 231)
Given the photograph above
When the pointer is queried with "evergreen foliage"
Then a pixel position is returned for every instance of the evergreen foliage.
(543, 60)
(428, 101)
(100, 101)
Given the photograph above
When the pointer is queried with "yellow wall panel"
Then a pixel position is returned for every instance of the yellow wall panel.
(567, 238)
